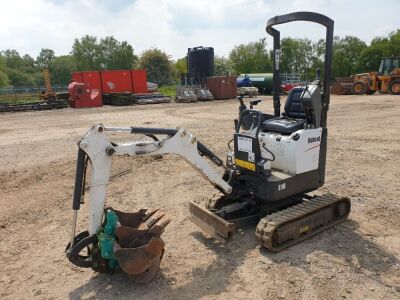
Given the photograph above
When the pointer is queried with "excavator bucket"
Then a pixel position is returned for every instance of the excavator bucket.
(138, 247)
(210, 223)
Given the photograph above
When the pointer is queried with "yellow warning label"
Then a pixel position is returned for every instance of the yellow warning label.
(245, 164)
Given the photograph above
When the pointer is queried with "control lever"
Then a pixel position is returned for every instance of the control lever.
(254, 103)
(242, 106)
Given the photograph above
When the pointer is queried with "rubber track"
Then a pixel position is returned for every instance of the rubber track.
(268, 225)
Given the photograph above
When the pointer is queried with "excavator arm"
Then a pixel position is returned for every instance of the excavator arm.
(130, 241)
(100, 150)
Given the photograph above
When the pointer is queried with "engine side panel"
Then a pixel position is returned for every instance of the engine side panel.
(295, 154)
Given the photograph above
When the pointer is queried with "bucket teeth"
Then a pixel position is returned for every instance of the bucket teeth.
(158, 229)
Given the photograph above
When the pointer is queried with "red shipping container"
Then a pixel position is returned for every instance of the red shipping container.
(92, 80)
(222, 87)
(139, 81)
(77, 76)
(116, 81)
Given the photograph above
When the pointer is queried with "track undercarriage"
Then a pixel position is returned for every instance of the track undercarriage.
(278, 228)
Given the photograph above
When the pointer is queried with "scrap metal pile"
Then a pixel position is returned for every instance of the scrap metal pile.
(193, 94)
(123, 99)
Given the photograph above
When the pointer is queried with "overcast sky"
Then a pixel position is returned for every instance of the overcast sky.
(175, 25)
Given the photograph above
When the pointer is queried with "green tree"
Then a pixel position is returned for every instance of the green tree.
(45, 58)
(61, 69)
(222, 66)
(3, 79)
(370, 57)
(86, 53)
(108, 53)
(298, 57)
(116, 55)
(346, 55)
(19, 78)
(250, 58)
(394, 43)
(12, 59)
(159, 66)
(180, 66)
(28, 64)
(3, 76)
(19, 71)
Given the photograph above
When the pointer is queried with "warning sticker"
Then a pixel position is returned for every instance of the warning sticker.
(245, 144)
(245, 164)
(251, 156)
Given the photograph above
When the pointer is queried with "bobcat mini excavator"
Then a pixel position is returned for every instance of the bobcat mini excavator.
(276, 161)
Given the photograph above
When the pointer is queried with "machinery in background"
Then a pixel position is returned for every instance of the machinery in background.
(48, 94)
(386, 80)
(202, 93)
(49, 99)
(262, 81)
(81, 95)
(245, 88)
(275, 161)
(185, 95)
(250, 91)
(113, 87)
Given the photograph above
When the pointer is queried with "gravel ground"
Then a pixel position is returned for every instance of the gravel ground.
(358, 259)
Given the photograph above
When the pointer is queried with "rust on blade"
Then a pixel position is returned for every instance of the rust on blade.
(210, 223)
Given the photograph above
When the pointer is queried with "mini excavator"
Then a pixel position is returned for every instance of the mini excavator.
(276, 161)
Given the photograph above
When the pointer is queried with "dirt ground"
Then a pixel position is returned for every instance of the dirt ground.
(359, 259)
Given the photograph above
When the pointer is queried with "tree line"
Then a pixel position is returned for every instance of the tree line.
(351, 55)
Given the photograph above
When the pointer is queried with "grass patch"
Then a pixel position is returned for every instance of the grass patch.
(19, 99)
(168, 90)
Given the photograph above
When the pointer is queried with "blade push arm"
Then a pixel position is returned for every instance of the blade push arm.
(100, 150)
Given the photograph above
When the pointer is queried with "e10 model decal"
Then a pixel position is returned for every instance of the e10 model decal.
(314, 139)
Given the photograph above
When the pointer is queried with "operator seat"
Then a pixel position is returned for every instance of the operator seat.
(293, 118)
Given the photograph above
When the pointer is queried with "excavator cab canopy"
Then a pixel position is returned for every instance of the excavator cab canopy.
(388, 64)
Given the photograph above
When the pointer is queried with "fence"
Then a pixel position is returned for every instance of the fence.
(26, 94)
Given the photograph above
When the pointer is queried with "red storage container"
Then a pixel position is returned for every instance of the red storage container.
(92, 80)
(77, 76)
(116, 81)
(222, 87)
(139, 81)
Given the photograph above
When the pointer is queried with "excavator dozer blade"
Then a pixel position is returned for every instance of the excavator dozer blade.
(210, 223)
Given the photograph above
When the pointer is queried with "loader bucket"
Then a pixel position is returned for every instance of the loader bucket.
(210, 223)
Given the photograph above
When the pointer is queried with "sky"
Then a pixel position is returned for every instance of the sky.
(175, 25)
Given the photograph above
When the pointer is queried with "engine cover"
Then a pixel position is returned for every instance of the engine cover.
(296, 153)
